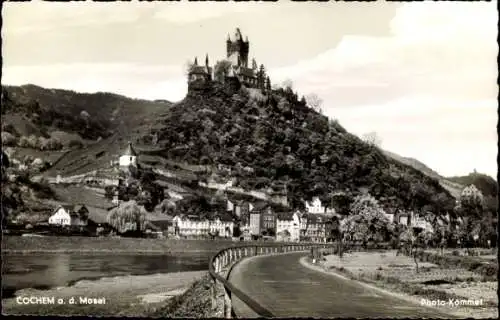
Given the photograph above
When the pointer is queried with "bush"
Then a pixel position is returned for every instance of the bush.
(8, 139)
(28, 142)
(49, 144)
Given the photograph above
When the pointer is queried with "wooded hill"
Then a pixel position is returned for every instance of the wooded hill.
(277, 140)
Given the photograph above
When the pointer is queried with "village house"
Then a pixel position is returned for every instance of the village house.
(68, 215)
(315, 230)
(129, 157)
(316, 207)
(288, 226)
(194, 226)
(262, 220)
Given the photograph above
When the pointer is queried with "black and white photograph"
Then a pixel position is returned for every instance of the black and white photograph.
(250, 159)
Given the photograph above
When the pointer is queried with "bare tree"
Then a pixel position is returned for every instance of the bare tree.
(372, 139)
(314, 101)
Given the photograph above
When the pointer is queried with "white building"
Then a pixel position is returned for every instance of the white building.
(390, 217)
(192, 226)
(288, 223)
(66, 215)
(129, 157)
(316, 207)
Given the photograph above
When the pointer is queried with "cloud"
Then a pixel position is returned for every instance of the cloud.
(440, 48)
(429, 90)
(43, 15)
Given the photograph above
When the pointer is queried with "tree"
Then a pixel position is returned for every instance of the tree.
(128, 217)
(314, 101)
(8, 139)
(367, 220)
(372, 139)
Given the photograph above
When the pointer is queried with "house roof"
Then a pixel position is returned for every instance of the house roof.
(316, 218)
(98, 215)
(260, 205)
(285, 216)
(200, 70)
(79, 207)
(129, 151)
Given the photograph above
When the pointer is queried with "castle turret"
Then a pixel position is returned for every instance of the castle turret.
(237, 49)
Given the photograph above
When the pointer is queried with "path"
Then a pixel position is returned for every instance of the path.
(288, 289)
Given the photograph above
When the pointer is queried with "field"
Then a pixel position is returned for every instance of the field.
(111, 245)
(398, 274)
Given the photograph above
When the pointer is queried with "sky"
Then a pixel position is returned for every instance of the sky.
(422, 75)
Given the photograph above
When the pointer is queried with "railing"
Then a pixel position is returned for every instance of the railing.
(225, 259)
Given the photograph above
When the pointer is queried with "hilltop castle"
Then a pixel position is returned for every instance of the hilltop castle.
(233, 71)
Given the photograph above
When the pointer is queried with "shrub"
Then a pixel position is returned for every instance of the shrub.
(8, 139)
(49, 144)
(23, 142)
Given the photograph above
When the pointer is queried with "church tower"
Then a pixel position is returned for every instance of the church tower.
(237, 49)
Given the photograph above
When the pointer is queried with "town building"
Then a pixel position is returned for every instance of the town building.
(315, 230)
(194, 226)
(262, 220)
(288, 226)
(69, 215)
(316, 207)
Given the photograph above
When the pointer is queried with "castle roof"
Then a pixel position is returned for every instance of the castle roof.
(129, 151)
(200, 70)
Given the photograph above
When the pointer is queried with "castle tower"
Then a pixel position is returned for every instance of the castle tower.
(237, 49)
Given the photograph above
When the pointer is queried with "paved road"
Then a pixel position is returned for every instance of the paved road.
(288, 289)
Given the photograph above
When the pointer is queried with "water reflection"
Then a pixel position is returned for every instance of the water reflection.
(52, 270)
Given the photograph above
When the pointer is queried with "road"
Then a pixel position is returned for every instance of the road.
(288, 289)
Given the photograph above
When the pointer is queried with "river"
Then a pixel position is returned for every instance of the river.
(44, 271)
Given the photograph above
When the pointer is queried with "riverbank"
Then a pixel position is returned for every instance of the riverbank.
(397, 275)
(30, 245)
(169, 294)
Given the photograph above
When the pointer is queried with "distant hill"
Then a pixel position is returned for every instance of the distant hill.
(104, 121)
(453, 187)
(486, 184)
(91, 115)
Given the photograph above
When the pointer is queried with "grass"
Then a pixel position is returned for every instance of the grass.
(397, 274)
(194, 303)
